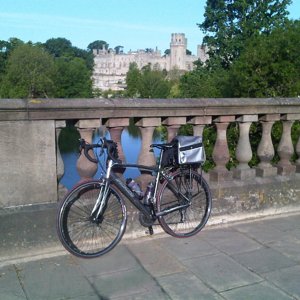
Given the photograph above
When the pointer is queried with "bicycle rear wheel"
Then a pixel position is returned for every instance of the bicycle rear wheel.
(82, 234)
(189, 220)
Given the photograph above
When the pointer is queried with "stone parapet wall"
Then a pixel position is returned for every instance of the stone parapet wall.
(31, 165)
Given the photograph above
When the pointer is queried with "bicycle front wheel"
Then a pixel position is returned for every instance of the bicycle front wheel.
(79, 231)
(185, 203)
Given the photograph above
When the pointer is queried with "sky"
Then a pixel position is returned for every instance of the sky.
(133, 24)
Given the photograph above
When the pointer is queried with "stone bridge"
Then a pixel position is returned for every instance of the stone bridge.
(31, 165)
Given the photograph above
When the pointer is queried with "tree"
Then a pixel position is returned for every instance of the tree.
(29, 73)
(98, 45)
(59, 47)
(229, 23)
(167, 52)
(5, 48)
(133, 78)
(146, 83)
(203, 83)
(74, 78)
(269, 66)
(153, 84)
(119, 49)
(3, 55)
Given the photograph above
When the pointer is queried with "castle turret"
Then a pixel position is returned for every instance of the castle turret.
(178, 51)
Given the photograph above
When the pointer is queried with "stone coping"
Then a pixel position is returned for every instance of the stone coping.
(64, 109)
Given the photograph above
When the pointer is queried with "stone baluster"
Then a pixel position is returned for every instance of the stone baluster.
(199, 124)
(173, 124)
(85, 168)
(297, 149)
(60, 169)
(265, 150)
(285, 148)
(243, 149)
(146, 157)
(221, 152)
(115, 127)
(298, 153)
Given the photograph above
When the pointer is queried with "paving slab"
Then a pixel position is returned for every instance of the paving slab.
(156, 259)
(261, 232)
(186, 285)
(10, 287)
(195, 246)
(221, 272)
(259, 291)
(231, 241)
(287, 279)
(118, 260)
(264, 260)
(288, 245)
(131, 283)
(55, 278)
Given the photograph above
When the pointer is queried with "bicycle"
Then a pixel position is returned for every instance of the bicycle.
(92, 217)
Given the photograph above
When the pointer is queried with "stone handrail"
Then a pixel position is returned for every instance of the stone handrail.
(63, 109)
(30, 159)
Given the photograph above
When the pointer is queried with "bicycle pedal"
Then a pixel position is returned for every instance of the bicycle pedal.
(150, 230)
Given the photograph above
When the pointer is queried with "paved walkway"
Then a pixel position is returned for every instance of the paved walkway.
(253, 260)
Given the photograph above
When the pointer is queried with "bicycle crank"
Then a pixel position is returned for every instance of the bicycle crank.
(145, 221)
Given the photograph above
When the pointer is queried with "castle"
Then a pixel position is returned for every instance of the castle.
(110, 68)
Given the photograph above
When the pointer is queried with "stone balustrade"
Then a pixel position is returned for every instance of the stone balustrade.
(32, 165)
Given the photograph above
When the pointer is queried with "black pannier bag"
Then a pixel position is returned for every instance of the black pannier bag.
(168, 158)
(186, 150)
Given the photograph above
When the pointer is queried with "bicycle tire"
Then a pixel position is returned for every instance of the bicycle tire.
(188, 221)
(78, 233)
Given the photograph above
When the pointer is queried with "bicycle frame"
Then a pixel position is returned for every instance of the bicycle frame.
(126, 191)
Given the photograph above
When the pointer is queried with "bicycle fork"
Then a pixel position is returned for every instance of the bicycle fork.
(102, 197)
(100, 202)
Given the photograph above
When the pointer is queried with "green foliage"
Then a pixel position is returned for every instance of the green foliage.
(269, 66)
(5, 49)
(154, 85)
(228, 24)
(68, 139)
(53, 69)
(147, 83)
(118, 49)
(295, 137)
(202, 82)
(133, 78)
(110, 94)
(74, 78)
(61, 47)
(97, 45)
(29, 73)
(167, 52)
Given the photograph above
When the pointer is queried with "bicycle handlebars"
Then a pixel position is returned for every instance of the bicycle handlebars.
(111, 147)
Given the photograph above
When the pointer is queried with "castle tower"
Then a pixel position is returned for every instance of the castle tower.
(178, 51)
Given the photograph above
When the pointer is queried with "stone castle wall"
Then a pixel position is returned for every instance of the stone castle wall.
(110, 68)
